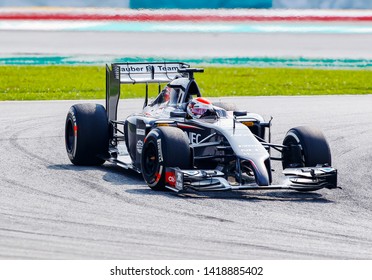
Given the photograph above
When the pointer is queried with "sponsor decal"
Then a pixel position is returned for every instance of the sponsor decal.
(250, 149)
(158, 68)
(179, 181)
(131, 69)
(140, 131)
(194, 138)
(160, 151)
(139, 146)
(170, 178)
(167, 68)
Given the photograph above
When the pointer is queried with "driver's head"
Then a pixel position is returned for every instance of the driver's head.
(167, 94)
(199, 107)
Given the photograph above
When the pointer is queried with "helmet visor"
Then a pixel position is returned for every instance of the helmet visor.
(199, 111)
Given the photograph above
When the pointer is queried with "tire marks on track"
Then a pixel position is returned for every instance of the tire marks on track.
(44, 160)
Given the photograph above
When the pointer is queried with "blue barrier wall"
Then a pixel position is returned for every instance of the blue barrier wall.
(199, 4)
(188, 4)
(322, 4)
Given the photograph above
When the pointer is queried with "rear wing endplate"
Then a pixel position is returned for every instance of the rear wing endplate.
(136, 73)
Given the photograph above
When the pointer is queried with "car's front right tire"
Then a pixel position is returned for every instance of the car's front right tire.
(307, 147)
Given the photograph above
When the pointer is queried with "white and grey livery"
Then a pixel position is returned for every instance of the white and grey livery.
(225, 149)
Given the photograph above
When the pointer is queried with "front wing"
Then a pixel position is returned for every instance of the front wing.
(300, 179)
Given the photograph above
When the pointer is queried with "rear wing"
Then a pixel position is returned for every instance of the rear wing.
(136, 73)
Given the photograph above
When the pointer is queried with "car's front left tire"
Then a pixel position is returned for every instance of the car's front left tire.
(164, 147)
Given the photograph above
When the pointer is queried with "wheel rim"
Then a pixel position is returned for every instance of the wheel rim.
(70, 135)
(151, 163)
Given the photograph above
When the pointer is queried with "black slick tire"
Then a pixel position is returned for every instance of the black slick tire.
(164, 147)
(314, 148)
(86, 134)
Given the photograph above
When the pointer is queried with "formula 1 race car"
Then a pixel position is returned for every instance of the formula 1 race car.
(182, 141)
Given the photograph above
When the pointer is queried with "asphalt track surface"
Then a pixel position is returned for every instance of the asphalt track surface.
(185, 45)
(51, 209)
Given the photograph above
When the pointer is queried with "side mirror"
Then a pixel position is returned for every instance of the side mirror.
(240, 113)
(178, 114)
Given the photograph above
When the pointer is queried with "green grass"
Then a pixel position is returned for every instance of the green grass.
(88, 82)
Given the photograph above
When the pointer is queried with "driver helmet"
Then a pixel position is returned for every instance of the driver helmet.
(167, 94)
(199, 107)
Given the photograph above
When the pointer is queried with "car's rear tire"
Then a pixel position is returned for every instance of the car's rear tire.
(86, 134)
(164, 147)
(314, 148)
